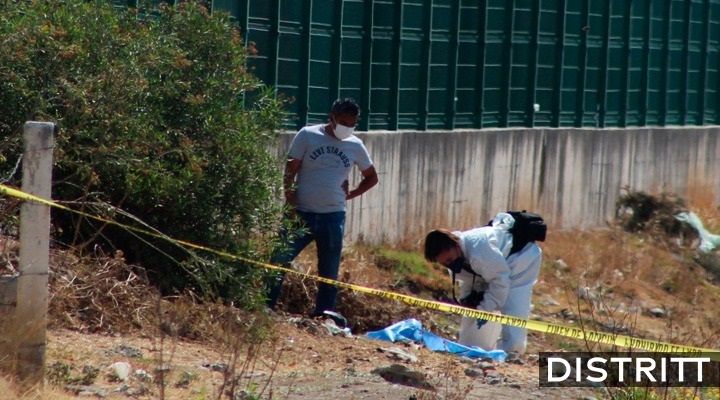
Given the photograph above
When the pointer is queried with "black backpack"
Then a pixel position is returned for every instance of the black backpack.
(528, 227)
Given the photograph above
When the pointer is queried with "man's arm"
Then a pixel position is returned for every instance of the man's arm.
(369, 180)
(489, 262)
(498, 279)
(292, 166)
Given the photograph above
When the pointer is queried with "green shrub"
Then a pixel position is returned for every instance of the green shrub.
(157, 115)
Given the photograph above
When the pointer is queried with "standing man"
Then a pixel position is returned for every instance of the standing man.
(316, 187)
(481, 261)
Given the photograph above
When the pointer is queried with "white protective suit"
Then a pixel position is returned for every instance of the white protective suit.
(507, 282)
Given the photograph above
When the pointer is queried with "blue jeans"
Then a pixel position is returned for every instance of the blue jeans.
(327, 231)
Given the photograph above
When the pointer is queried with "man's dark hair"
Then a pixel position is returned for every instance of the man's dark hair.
(438, 241)
(345, 106)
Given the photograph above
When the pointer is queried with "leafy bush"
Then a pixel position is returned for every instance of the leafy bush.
(157, 115)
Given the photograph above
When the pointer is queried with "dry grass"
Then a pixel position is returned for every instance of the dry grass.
(105, 295)
(364, 312)
(702, 200)
(628, 273)
(11, 390)
(99, 294)
(449, 384)
(621, 269)
(632, 272)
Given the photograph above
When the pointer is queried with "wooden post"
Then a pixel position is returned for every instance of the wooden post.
(32, 284)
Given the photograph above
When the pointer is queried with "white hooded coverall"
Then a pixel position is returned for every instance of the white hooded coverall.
(506, 281)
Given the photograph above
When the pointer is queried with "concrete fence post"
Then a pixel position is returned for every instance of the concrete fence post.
(32, 284)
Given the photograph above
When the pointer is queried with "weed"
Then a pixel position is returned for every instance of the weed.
(89, 374)
(448, 385)
(670, 285)
(402, 262)
(639, 393)
(60, 374)
(245, 337)
(413, 272)
(569, 345)
(597, 309)
(245, 342)
(185, 379)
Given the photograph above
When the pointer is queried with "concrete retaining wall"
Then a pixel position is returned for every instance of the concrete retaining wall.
(459, 179)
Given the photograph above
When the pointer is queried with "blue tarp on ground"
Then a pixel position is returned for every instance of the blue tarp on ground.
(411, 330)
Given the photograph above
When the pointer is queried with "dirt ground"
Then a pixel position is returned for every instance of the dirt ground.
(312, 364)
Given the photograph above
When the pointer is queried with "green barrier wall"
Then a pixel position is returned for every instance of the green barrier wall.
(442, 64)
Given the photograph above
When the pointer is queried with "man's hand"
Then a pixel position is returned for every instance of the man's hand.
(346, 187)
(369, 180)
(480, 322)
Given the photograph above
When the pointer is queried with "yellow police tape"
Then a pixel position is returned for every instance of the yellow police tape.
(578, 333)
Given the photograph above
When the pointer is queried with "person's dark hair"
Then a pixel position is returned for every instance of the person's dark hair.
(438, 241)
(345, 106)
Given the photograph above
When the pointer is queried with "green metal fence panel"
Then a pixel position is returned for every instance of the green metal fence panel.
(449, 64)
(635, 72)
(712, 67)
(466, 16)
(386, 46)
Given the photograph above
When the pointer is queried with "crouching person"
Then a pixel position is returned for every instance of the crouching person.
(490, 269)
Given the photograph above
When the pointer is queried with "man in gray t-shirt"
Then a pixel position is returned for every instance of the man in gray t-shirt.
(320, 160)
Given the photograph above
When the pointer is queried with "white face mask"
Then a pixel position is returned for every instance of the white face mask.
(343, 132)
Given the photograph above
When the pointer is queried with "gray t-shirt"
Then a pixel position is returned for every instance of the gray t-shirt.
(326, 164)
